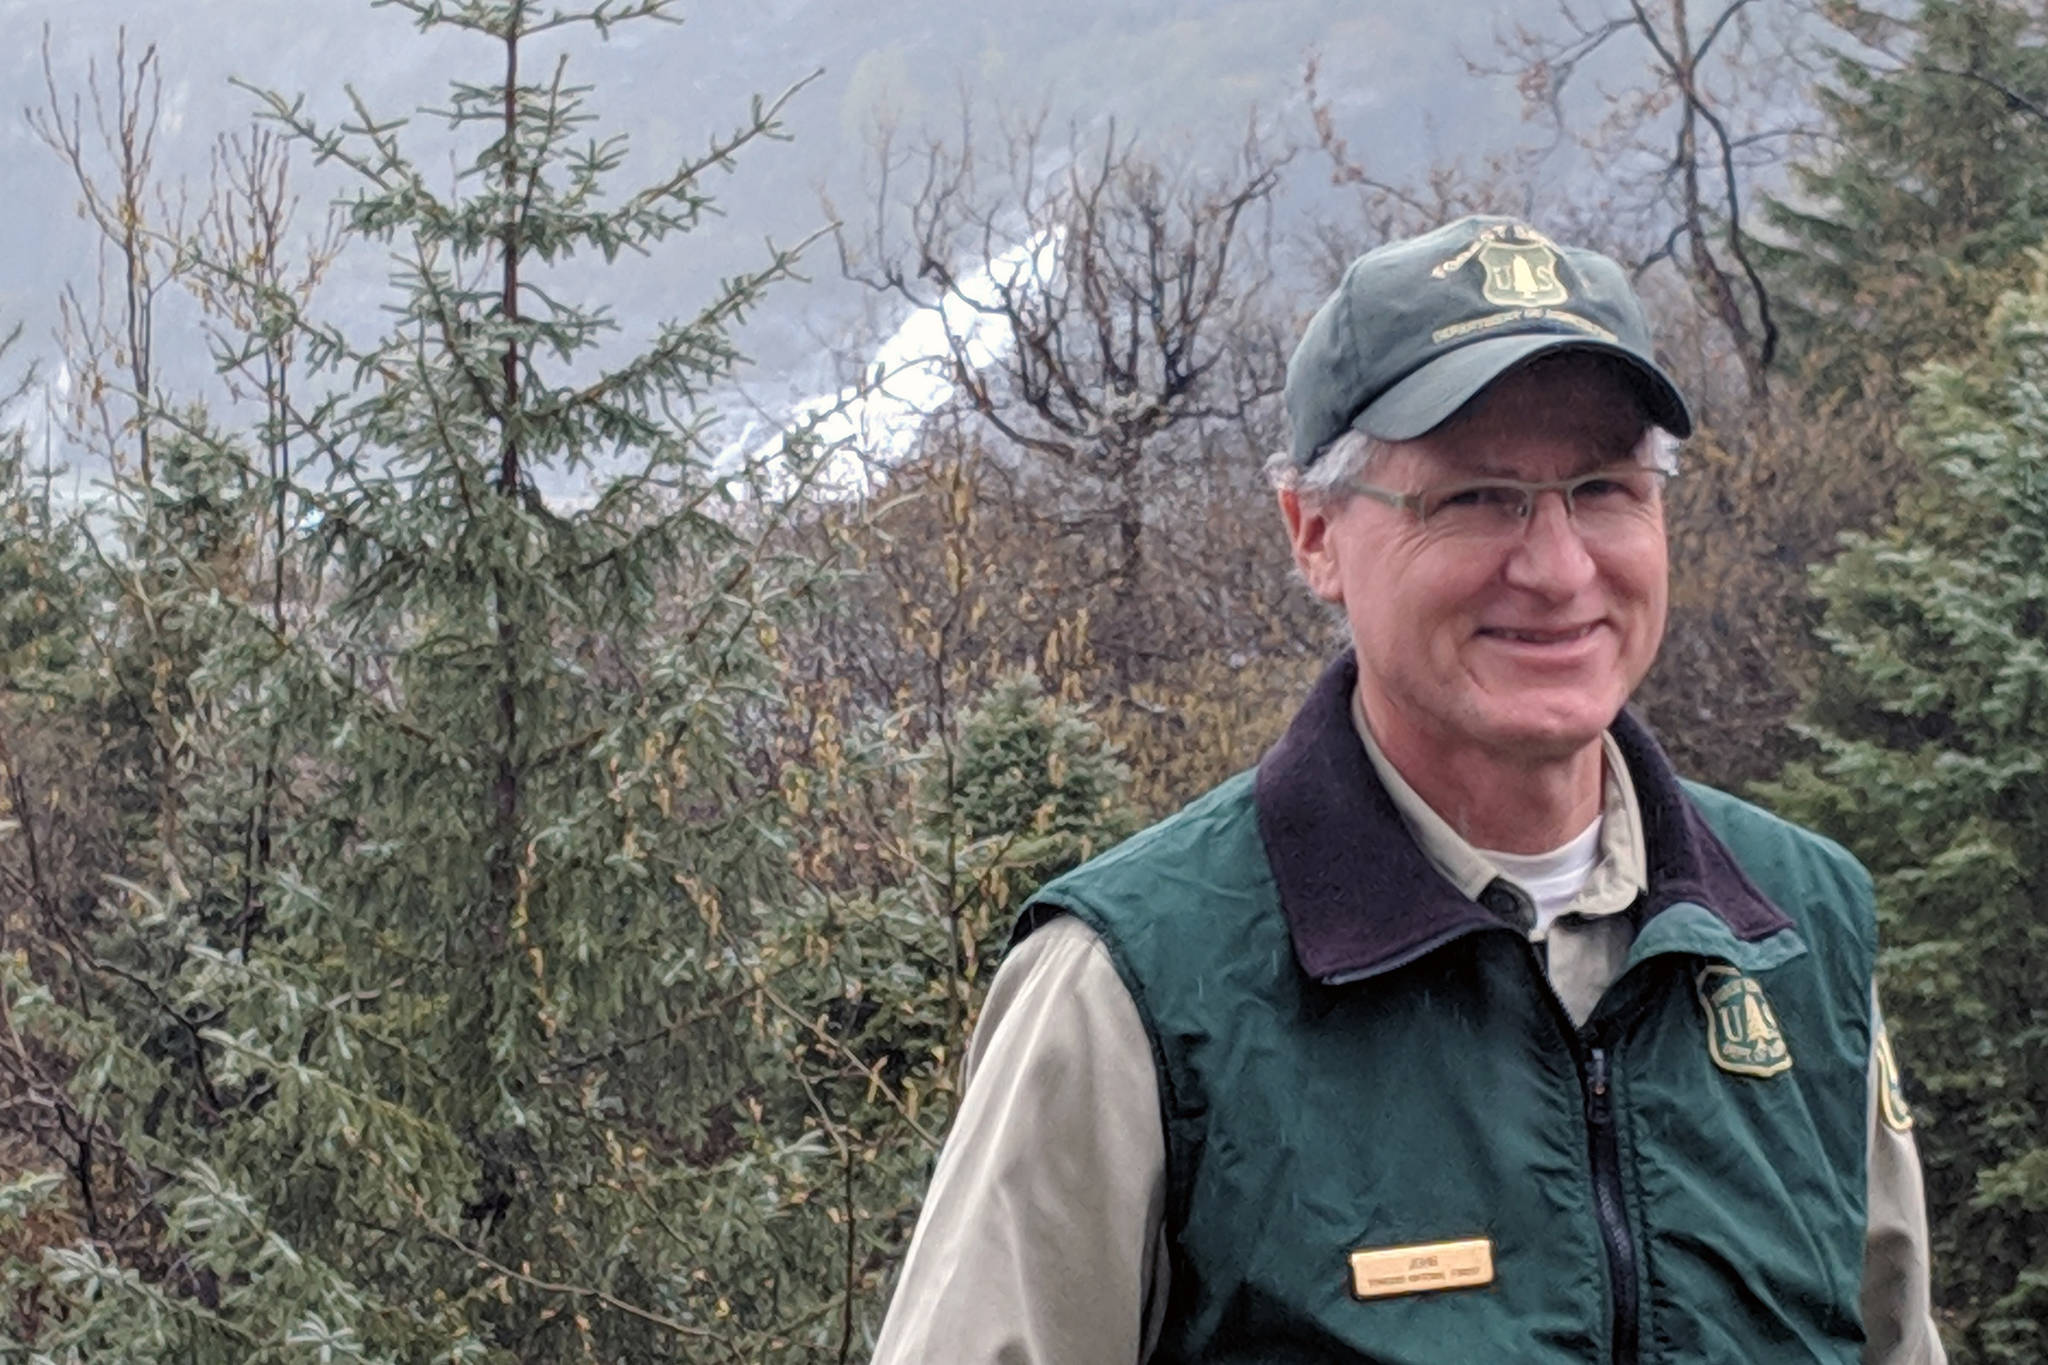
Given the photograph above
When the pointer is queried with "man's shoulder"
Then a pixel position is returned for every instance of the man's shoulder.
(1212, 841)
(1754, 824)
(1792, 861)
(1225, 807)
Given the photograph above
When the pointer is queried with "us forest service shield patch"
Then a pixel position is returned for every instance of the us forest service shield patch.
(1743, 1036)
(1521, 274)
(1891, 1095)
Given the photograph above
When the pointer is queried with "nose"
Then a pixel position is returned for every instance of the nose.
(1551, 557)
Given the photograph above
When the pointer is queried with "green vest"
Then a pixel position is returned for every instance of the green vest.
(1354, 1058)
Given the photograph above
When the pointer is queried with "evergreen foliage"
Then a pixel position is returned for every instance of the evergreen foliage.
(1030, 784)
(1932, 186)
(868, 987)
(505, 962)
(40, 558)
(1933, 767)
(410, 1036)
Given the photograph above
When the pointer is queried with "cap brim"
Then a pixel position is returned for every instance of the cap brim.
(1424, 399)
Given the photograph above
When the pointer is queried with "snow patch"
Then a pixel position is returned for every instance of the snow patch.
(873, 424)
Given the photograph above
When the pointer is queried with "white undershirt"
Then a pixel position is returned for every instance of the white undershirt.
(1554, 879)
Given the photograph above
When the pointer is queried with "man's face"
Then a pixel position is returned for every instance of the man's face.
(1519, 649)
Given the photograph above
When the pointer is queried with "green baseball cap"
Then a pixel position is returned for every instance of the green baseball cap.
(1417, 327)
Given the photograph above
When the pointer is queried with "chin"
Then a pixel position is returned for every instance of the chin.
(1554, 737)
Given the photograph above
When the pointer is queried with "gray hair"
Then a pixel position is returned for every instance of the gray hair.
(1346, 458)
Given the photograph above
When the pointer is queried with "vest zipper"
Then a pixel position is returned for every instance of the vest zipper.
(1603, 1150)
(1609, 1208)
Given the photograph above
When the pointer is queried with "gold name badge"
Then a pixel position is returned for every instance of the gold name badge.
(1386, 1271)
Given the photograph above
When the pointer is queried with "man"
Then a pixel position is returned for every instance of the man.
(1460, 1030)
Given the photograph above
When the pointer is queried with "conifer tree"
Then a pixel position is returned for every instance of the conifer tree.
(1030, 784)
(1933, 767)
(39, 557)
(879, 974)
(429, 1043)
(1931, 185)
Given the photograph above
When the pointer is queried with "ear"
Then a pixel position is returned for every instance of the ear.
(1308, 533)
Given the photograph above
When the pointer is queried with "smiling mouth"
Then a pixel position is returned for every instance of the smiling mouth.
(1541, 637)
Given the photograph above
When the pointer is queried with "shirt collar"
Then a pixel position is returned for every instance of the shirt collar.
(1362, 895)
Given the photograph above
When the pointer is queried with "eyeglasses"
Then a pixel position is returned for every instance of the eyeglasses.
(1607, 502)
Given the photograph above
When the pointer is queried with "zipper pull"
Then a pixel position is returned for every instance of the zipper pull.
(1596, 1086)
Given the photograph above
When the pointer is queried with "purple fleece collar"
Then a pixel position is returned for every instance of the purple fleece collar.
(1362, 898)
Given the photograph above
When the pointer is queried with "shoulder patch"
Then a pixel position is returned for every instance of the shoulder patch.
(1891, 1095)
(1743, 1036)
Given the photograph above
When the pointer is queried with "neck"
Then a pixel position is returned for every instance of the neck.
(1512, 805)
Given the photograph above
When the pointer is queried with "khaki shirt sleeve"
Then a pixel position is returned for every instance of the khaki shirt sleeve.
(1898, 1316)
(1040, 1238)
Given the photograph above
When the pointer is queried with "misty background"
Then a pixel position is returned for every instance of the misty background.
(1188, 78)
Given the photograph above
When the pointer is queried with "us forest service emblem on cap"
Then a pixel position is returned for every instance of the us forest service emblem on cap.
(1743, 1036)
(1521, 275)
(1520, 266)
